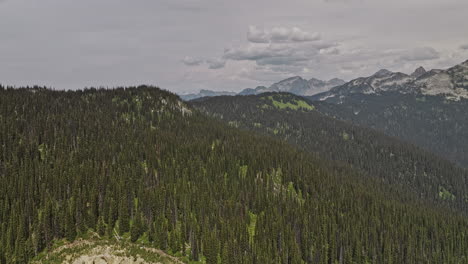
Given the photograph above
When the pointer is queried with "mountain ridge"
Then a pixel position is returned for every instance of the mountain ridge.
(451, 83)
(204, 93)
(296, 85)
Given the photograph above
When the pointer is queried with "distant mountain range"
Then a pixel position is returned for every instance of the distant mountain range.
(204, 93)
(452, 83)
(295, 85)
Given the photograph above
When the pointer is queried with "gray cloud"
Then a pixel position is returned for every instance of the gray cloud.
(289, 47)
(216, 64)
(280, 34)
(257, 35)
(420, 54)
(190, 61)
(211, 63)
(330, 51)
(275, 54)
(280, 46)
(257, 52)
(285, 61)
(464, 47)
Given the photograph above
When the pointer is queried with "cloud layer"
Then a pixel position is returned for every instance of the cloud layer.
(420, 54)
(283, 52)
(190, 61)
(213, 64)
(280, 35)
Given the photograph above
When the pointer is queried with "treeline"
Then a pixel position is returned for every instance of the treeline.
(141, 163)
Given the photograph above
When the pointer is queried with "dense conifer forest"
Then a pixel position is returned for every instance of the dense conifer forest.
(292, 118)
(139, 161)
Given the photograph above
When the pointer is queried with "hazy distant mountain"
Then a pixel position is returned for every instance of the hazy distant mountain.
(204, 93)
(452, 83)
(251, 91)
(296, 85)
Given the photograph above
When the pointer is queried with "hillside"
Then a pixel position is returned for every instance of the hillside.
(294, 119)
(141, 164)
(431, 122)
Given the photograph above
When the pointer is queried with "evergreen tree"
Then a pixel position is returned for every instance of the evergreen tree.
(101, 226)
(124, 216)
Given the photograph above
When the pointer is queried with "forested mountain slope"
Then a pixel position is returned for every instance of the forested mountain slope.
(138, 162)
(432, 122)
(294, 119)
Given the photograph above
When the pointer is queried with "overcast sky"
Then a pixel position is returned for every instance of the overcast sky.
(188, 45)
